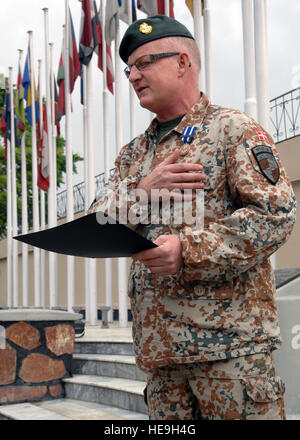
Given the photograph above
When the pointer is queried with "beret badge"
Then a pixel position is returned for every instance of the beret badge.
(145, 28)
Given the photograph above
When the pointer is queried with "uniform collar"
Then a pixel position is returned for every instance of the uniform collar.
(194, 116)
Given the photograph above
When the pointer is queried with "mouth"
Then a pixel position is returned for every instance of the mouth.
(140, 90)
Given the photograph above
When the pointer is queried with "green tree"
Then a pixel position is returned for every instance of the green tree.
(61, 168)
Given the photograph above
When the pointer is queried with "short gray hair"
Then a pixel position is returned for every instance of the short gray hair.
(181, 44)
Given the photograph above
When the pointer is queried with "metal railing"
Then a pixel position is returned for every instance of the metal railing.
(285, 124)
(79, 196)
(285, 115)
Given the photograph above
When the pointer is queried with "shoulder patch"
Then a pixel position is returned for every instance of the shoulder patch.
(267, 162)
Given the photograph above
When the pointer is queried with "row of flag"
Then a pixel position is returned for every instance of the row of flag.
(90, 41)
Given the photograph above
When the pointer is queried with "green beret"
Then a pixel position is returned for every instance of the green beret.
(149, 29)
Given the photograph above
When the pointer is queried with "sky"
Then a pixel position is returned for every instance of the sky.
(19, 16)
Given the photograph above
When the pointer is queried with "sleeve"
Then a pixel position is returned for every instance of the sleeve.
(118, 198)
(262, 218)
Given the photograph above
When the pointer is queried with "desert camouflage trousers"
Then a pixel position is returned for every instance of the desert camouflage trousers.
(243, 388)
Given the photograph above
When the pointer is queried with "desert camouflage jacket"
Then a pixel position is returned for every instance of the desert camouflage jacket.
(222, 303)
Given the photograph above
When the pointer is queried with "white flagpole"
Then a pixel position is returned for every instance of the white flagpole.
(122, 262)
(9, 225)
(53, 131)
(35, 196)
(249, 58)
(131, 91)
(53, 277)
(24, 215)
(199, 37)
(14, 191)
(52, 187)
(207, 43)
(42, 194)
(262, 71)
(91, 190)
(108, 261)
(69, 157)
(88, 197)
(167, 8)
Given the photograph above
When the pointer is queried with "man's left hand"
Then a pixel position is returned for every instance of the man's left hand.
(166, 259)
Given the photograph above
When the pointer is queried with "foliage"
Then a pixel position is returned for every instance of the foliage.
(61, 168)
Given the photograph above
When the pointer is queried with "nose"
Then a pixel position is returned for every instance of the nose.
(134, 74)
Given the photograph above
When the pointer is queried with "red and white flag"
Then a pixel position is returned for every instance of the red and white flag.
(99, 49)
(43, 155)
(262, 136)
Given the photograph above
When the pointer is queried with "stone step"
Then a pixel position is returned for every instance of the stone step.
(117, 392)
(66, 409)
(28, 411)
(103, 347)
(112, 365)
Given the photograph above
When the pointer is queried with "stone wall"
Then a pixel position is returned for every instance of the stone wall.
(34, 358)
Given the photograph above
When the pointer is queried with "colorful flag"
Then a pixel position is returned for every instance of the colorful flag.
(27, 91)
(3, 127)
(154, 7)
(99, 49)
(73, 56)
(57, 112)
(190, 5)
(88, 34)
(61, 83)
(112, 7)
(20, 110)
(43, 155)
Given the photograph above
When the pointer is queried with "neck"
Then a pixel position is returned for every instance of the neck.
(179, 107)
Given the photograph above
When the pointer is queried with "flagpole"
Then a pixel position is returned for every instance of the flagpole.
(35, 197)
(91, 190)
(199, 37)
(24, 214)
(262, 71)
(88, 197)
(122, 262)
(51, 190)
(69, 158)
(108, 261)
(131, 91)
(42, 194)
(249, 58)
(13, 191)
(53, 131)
(9, 225)
(53, 278)
(207, 43)
(167, 8)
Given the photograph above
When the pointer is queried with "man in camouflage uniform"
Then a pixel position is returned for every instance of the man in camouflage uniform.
(204, 313)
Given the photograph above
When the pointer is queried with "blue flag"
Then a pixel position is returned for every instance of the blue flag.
(27, 92)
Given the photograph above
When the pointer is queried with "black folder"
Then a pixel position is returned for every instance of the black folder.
(86, 237)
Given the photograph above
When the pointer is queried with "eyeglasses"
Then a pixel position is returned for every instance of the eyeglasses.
(145, 61)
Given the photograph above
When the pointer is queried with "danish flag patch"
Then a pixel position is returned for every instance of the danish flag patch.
(262, 136)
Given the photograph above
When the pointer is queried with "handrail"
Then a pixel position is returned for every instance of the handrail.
(285, 115)
(285, 121)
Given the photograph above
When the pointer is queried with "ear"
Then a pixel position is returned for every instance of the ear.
(184, 64)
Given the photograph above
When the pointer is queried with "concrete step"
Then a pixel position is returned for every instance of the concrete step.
(66, 409)
(111, 365)
(113, 340)
(103, 347)
(117, 392)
